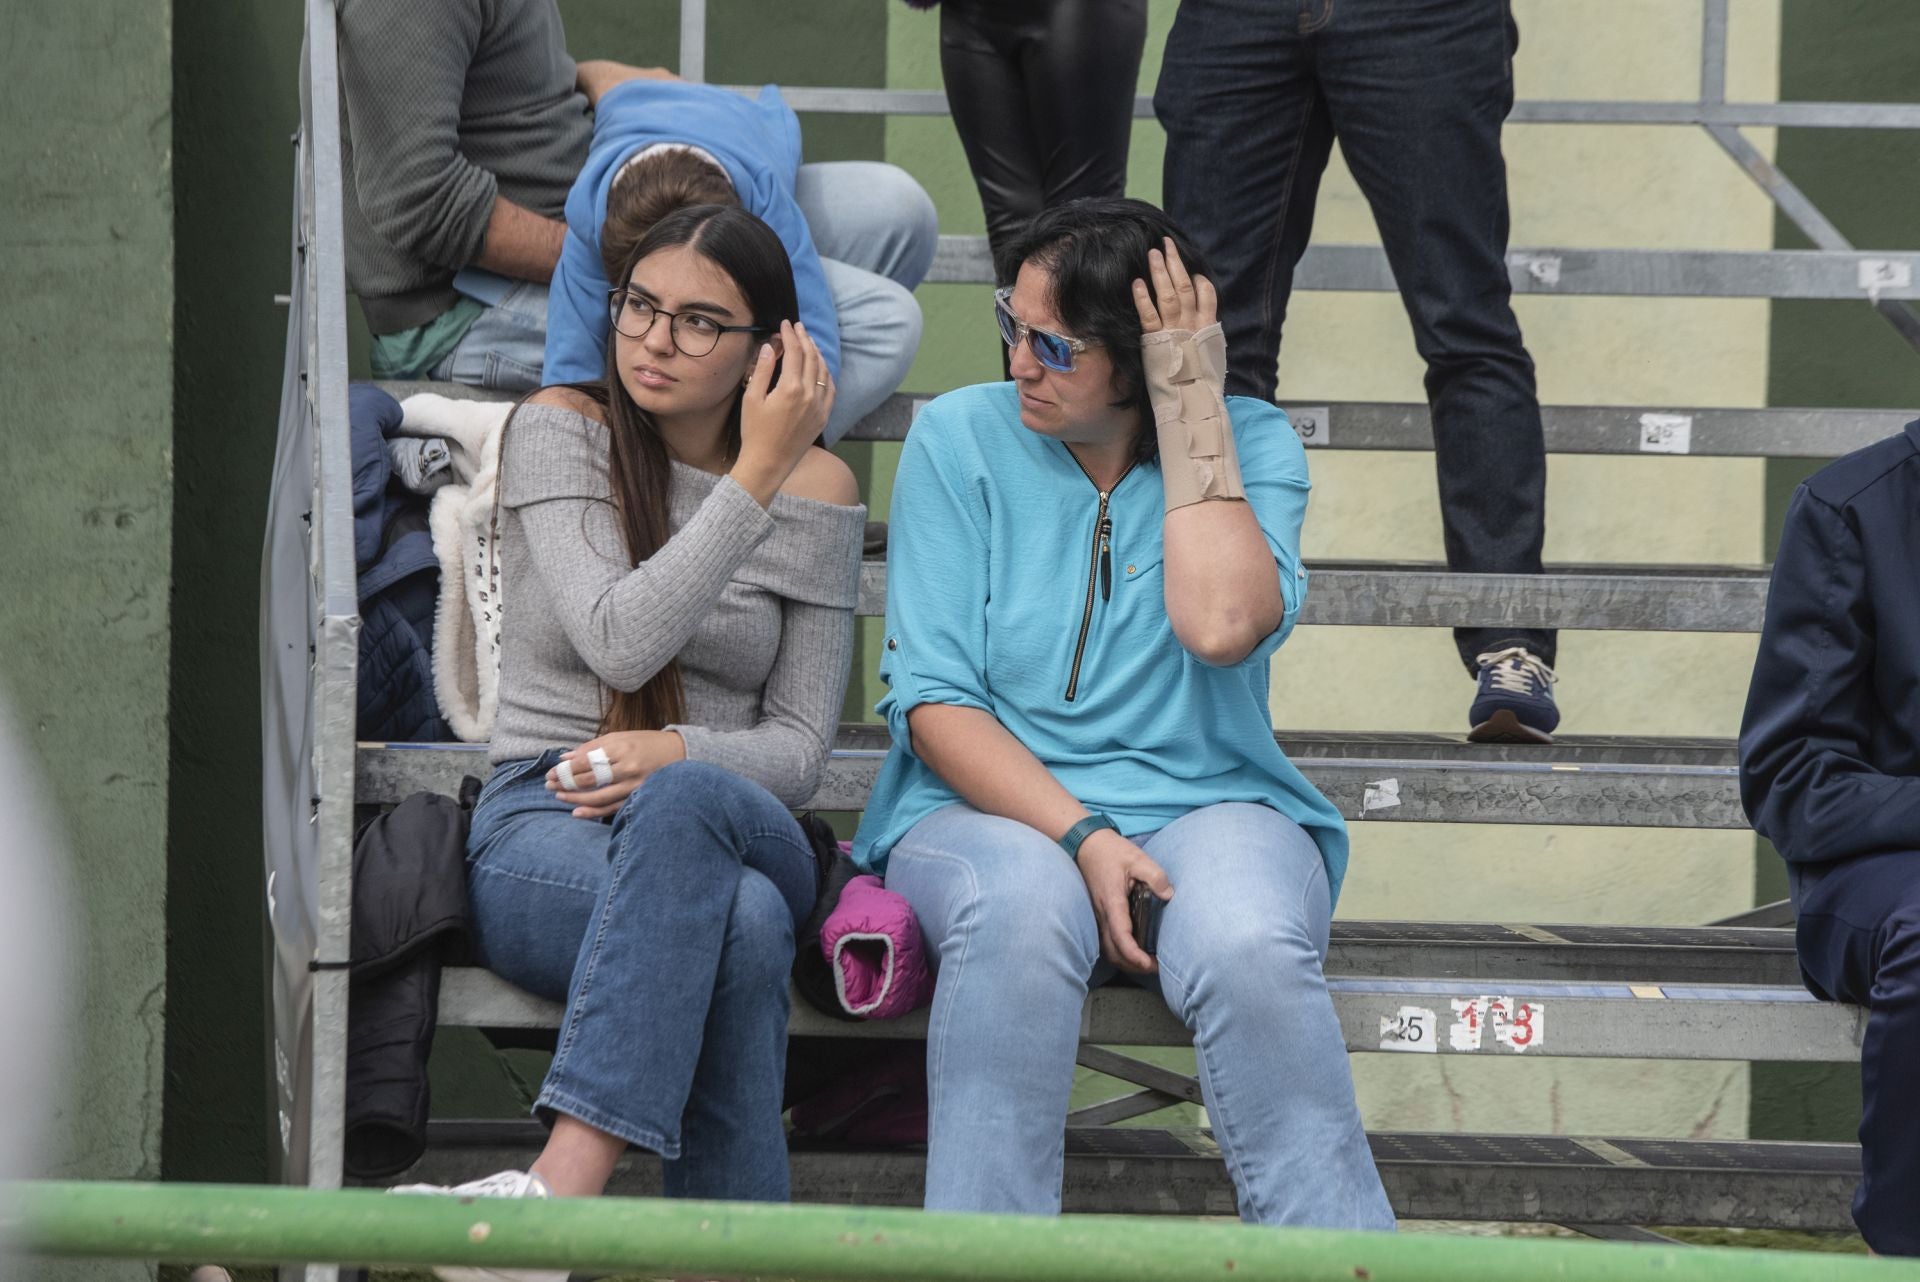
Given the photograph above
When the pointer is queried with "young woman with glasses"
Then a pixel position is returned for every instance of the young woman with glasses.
(1090, 570)
(678, 567)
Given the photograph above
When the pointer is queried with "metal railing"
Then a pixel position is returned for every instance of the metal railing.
(309, 636)
(658, 1237)
(1835, 269)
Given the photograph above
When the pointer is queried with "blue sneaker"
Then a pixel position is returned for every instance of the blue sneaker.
(1515, 701)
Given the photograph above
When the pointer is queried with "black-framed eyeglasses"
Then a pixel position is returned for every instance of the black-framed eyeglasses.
(693, 334)
(1055, 351)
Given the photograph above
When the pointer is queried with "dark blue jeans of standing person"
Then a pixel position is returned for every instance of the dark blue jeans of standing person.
(1252, 94)
(1858, 933)
(669, 932)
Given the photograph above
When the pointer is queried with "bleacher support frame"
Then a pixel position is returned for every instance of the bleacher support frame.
(309, 624)
(309, 638)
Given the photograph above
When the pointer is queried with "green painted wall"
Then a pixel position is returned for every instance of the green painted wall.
(235, 106)
(86, 267)
(1836, 354)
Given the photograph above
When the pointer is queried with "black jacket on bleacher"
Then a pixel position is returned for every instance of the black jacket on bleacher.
(1830, 744)
(410, 916)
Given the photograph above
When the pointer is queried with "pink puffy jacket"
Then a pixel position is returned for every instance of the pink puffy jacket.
(872, 944)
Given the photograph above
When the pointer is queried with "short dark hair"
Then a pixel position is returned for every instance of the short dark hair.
(1094, 249)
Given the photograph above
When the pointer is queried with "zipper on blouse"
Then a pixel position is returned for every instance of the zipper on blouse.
(1106, 559)
(1099, 575)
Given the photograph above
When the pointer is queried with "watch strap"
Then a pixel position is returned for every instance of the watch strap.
(1076, 836)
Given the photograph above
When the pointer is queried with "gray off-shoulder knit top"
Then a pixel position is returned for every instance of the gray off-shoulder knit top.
(756, 603)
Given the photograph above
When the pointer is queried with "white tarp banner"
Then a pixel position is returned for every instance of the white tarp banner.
(288, 624)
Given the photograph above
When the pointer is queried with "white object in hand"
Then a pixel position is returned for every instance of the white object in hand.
(602, 767)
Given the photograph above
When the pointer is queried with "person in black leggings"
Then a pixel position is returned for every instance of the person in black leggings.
(1042, 94)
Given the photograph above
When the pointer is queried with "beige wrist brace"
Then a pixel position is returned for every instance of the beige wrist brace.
(1186, 378)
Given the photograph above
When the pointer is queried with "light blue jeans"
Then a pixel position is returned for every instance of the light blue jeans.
(875, 230)
(505, 346)
(1008, 923)
(669, 932)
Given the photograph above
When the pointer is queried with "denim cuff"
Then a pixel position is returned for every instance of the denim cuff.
(554, 1100)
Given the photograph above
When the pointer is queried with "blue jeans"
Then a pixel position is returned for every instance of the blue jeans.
(1252, 94)
(669, 931)
(505, 346)
(1857, 928)
(1011, 931)
(875, 230)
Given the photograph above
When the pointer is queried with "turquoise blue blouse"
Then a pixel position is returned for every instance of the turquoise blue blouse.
(1005, 593)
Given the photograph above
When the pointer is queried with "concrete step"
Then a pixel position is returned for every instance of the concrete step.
(1589, 781)
(1488, 1017)
(1570, 429)
(1412, 594)
(1550, 1179)
(1636, 273)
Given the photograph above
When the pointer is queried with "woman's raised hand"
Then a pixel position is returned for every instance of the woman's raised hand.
(778, 421)
(1184, 302)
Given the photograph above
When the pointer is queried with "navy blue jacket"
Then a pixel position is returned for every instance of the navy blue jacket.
(1830, 745)
(399, 578)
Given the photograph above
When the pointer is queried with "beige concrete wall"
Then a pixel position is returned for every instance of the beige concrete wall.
(1572, 186)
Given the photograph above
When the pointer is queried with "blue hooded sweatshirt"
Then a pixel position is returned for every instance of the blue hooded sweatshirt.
(758, 142)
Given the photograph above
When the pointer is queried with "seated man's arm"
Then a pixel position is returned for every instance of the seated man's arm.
(1807, 774)
(521, 243)
(402, 82)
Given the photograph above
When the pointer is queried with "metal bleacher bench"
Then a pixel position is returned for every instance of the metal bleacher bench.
(1594, 991)
(1519, 990)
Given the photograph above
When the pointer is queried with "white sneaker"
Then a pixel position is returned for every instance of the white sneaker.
(501, 1184)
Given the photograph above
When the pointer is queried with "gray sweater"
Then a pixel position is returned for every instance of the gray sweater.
(757, 604)
(444, 106)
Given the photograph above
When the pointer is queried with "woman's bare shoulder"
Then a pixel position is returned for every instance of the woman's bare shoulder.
(567, 398)
(824, 478)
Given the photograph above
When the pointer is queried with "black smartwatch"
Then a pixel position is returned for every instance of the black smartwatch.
(1076, 836)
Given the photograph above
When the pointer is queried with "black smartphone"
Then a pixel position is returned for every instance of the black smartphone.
(1143, 906)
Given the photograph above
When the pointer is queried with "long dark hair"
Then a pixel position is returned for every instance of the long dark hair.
(638, 465)
(1094, 249)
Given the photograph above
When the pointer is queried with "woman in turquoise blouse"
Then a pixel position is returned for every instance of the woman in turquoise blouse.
(1090, 569)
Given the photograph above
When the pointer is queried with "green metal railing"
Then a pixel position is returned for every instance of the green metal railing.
(251, 1224)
